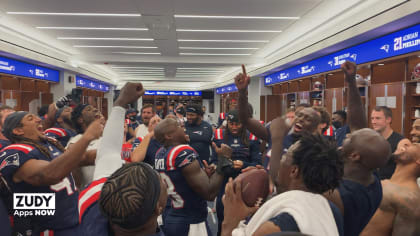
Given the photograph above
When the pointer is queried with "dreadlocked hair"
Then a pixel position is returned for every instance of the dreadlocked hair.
(242, 135)
(319, 162)
(125, 191)
(20, 139)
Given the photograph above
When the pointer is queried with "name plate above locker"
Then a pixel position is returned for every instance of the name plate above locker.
(394, 44)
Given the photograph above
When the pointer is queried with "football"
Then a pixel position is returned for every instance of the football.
(255, 186)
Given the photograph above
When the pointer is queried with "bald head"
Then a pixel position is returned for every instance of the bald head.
(166, 126)
(373, 149)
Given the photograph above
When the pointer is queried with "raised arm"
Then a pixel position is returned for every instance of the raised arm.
(40, 172)
(356, 112)
(140, 151)
(108, 159)
(254, 126)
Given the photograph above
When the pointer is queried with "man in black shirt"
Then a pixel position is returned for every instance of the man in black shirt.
(200, 133)
(381, 119)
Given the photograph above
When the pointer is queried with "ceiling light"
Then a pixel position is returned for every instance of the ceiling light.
(230, 31)
(138, 53)
(201, 48)
(330, 74)
(135, 67)
(199, 68)
(144, 70)
(239, 17)
(214, 54)
(89, 28)
(120, 39)
(141, 72)
(381, 64)
(224, 40)
(71, 14)
(97, 46)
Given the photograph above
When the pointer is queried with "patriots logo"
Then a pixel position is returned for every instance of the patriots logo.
(185, 162)
(198, 132)
(12, 160)
(330, 63)
(385, 48)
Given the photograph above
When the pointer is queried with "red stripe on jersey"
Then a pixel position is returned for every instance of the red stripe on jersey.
(56, 131)
(20, 147)
(329, 132)
(127, 121)
(140, 139)
(222, 116)
(219, 134)
(12, 221)
(170, 160)
(90, 195)
(252, 137)
(47, 232)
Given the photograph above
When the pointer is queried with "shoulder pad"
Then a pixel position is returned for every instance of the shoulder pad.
(56, 131)
(25, 148)
(172, 155)
(218, 134)
(252, 137)
(89, 196)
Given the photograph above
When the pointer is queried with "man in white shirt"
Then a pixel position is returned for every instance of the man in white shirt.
(82, 116)
(147, 112)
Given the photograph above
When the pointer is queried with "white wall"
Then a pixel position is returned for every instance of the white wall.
(256, 89)
(214, 115)
(64, 87)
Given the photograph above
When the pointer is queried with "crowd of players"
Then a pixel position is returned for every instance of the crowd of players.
(151, 175)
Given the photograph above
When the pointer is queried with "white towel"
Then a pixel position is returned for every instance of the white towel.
(311, 212)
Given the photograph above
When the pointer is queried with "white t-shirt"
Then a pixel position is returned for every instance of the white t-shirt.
(142, 130)
(87, 171)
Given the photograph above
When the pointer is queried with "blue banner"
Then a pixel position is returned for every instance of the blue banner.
(391, 45)
(90, 84)
(14, 67)
(173, 93)
(226, 89)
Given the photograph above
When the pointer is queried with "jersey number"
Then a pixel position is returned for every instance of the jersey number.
(64, 184)
(177, 201)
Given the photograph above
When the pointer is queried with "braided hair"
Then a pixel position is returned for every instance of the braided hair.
(130, 195)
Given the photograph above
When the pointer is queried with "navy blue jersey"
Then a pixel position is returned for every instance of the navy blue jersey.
(91, 220)
(200, 139)
(249, 154)
(340, 134)
(360, 204)
(187, 206)
(152, 149)
(4, 219)
(60, 134)
(16, 155)
(4, 143)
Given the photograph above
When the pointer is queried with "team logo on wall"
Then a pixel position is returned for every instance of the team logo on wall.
(385, 48)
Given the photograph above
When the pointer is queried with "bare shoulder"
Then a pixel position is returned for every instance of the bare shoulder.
(408, 212)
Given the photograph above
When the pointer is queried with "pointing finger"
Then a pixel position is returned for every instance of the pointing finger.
(243, 69)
